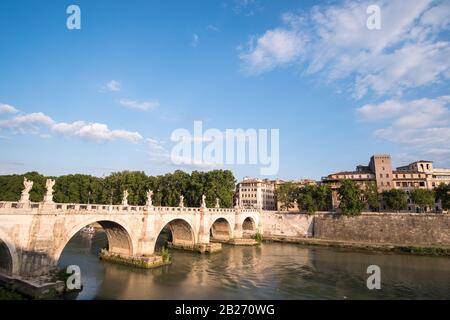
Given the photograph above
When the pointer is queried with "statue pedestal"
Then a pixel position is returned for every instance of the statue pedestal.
(25, 199)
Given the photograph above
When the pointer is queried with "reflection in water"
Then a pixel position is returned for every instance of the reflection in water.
(271, 271)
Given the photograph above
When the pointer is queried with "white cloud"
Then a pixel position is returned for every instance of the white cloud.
(139, 105)
(156, 149)
(7, 108)
(195, 40)
(213, 28)
(386, 109)
(36, 123)
(422, 125)
(112, 86)
(409, 51)
(27, 123)
(94, 131)
(275, 48)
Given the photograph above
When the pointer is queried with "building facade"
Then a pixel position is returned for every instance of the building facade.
(419, 174)
(261, 193)
(256, 193)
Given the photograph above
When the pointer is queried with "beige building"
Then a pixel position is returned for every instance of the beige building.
(419, 174)
(256, 193)
(261, 193)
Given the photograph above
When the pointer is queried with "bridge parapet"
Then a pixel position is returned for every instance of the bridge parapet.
(175, 209)
(9, 207)
(79, 208)
(19, 208)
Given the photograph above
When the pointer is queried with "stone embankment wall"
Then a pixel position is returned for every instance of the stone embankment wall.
(286, 224)
(395, 228)
(411, 229)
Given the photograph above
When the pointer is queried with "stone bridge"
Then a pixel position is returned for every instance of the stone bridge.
(33, 235)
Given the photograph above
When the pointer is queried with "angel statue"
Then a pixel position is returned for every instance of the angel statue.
(49, 187)
(149, 198)
(181, 201)
(203, 201)
(125, 198)
(217, 203)
(27, 184)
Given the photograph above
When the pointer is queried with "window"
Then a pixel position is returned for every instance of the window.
(381, 175)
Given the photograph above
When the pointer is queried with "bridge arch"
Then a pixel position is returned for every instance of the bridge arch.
(181, 233)
(120, 240)
(248, 226)
(221, 229)
(9, 260)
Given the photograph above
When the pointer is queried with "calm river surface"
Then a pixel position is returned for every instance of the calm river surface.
(271, 271)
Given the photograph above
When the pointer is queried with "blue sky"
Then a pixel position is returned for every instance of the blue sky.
(107, 97)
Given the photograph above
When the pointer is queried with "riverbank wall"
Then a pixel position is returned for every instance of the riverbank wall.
(413, 233)
(401, 228)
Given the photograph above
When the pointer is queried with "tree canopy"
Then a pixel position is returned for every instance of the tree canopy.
(372, 197)
(81, 188)
(351, 198)
(422, 198)
(395, 199)
(442, 193)
(313, 198)
(286, 194)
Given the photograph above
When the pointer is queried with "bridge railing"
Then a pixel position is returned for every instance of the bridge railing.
(105, 208)
(18, 205)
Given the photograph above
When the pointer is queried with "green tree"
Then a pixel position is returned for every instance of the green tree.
(306, 199)
(322, 197)
(220, 184)
(442, 193)
(286, 194)
(372, 197)
(80, 188)
(423, 198)
(11, 187)
(350, 196)
(395, 199)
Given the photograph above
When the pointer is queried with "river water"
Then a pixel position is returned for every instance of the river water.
(269, 271)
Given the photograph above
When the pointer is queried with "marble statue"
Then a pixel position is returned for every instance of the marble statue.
(28, 184)
(217, 203)
(125, 198)
(149, 198)
(181, 201)
(203, 201)
(49, 187)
